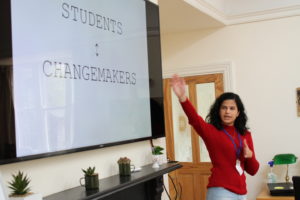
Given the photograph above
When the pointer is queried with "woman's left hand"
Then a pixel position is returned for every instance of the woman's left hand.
(247, 151)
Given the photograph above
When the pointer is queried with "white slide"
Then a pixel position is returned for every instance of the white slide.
(80, 74)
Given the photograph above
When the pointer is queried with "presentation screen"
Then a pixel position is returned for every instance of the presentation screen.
(80, 74)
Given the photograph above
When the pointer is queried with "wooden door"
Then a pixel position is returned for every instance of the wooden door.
(183, 143)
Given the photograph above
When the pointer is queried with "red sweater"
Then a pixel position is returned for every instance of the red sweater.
(222, 153)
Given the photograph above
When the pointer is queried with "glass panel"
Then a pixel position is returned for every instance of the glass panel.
(182, 132)
(205, 98)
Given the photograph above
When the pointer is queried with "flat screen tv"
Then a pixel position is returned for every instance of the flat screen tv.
(78, 75)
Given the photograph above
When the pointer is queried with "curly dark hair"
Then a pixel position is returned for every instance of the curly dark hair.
(213, 116)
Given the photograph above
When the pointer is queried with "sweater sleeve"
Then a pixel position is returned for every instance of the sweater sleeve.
(195, 120)
(251, 164)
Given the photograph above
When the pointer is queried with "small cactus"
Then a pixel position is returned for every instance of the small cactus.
(20, 184)
(124, 160)
(89, 171)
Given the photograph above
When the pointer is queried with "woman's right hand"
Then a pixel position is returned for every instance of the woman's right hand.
(178, 85)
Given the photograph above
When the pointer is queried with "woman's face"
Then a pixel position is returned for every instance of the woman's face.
(228, 112)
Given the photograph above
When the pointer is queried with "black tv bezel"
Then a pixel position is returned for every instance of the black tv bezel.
(153, 30)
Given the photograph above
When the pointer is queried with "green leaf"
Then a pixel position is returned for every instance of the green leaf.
(157, 150)
(89, 171)
(19, 184)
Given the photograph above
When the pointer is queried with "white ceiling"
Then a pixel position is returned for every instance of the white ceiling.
(189, 15)
(240, 7)
(177, 16)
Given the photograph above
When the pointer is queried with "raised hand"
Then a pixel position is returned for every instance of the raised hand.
(247, 151)
(178, 86)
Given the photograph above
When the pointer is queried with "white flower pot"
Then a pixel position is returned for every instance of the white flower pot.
(155, 161)
(34, 196)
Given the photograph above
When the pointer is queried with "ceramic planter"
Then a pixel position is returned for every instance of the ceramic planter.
(125, 169)
(91, 182)
(155, 161)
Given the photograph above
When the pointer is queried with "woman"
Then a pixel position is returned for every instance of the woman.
(228, 141)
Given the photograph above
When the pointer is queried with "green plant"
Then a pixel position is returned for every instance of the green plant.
(157, 150)
(89, 171)
(20, 184)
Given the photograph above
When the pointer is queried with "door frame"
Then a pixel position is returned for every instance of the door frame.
(193, 175)
(225, 68)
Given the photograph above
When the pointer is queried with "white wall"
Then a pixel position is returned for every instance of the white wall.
(266, 60)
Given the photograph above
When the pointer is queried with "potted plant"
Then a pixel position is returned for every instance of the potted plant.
(125, 168)
(20, 188)
(156, 152)
(91, 179)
